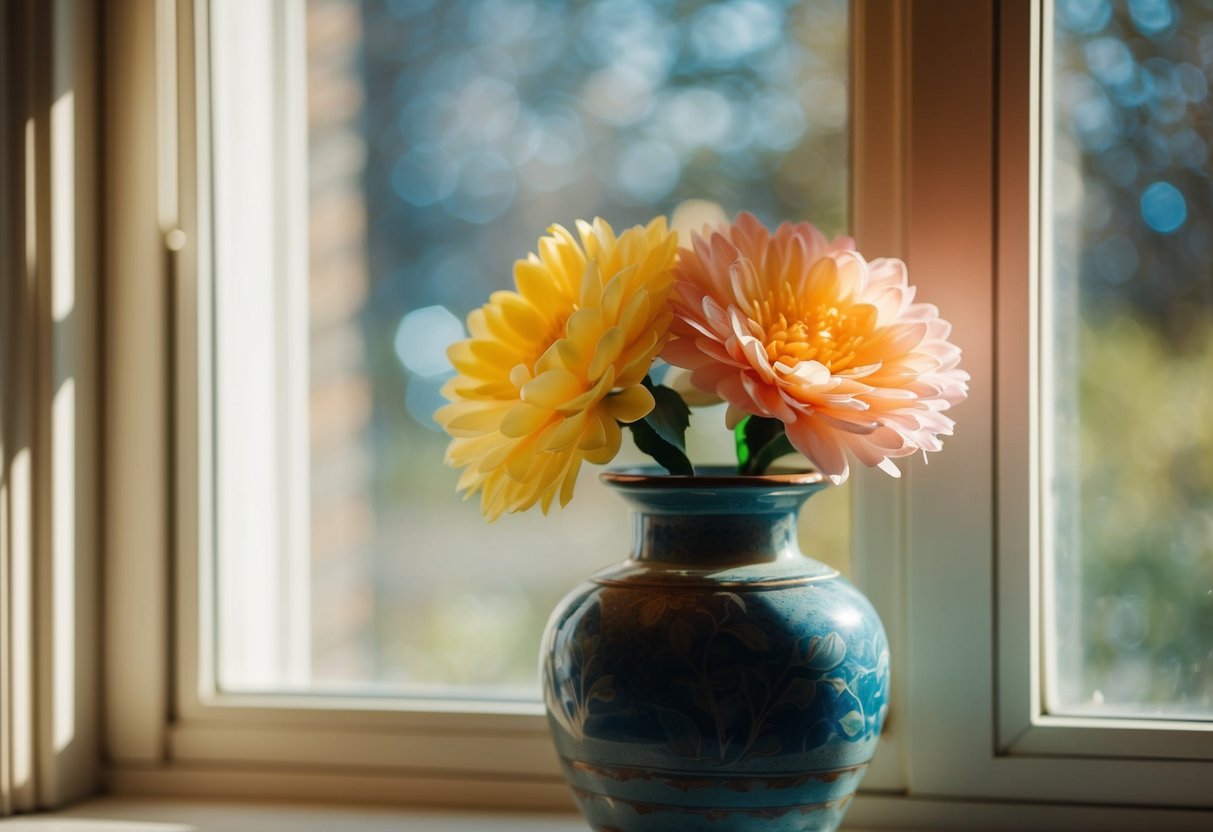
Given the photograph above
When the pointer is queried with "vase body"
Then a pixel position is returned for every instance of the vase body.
(718, 679)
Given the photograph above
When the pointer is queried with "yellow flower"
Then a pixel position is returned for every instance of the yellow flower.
(552, 369)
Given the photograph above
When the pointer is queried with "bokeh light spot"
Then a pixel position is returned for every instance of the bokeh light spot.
(619, 94)
(1114, 260)
(779, 121)
(424, 176)
(1192, 82)
(422, 339)
(1110, 60)
(1151, 16)
(696, 117)
(724, 33)
(409, 8)
(1163, 207)
(647, 170)
(488, 109)
(501, 21)
(1084, 16)
(422, 396)
(486, 188)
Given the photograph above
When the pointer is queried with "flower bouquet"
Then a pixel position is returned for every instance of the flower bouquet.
(814, 349)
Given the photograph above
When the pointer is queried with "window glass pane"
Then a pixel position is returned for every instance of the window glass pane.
(432, 143)
(1131, 375)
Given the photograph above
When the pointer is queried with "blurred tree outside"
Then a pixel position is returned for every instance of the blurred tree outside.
(466, 128)
(1133, 393)
(452, 133)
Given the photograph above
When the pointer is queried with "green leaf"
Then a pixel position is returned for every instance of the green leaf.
(760, 441)
(743, 447)
(773, 450)
(670, 416)
(667, 456)
(662, 434)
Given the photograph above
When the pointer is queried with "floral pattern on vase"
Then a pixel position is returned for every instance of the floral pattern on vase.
(718, 679)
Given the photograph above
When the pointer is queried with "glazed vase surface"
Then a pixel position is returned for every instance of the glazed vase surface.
(718, 679)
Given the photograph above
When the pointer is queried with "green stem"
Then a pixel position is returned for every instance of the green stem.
(767, 454)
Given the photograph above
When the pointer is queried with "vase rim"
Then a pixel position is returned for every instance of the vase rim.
(716, 476)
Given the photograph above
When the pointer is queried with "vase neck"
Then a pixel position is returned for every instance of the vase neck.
(714, 520)
(715, 539)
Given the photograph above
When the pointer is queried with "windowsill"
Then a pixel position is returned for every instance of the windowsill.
(117, 814)
(121, 814)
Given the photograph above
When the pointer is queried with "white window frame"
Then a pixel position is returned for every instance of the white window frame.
(946, 175)
(990, 736)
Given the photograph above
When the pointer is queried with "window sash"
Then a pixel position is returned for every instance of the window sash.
(213, 725)
(977, 727)
(1023, 547)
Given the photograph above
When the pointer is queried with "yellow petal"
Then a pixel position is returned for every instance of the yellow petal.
(614, 436)
(630, 405)
(567, 433)
(482, 358)
(469, 480)
(594, 394)
(496, 457)
(522, 467)
(612, 295)
(591, 285)
(552, 389)
(520, 375)
(634, 317)
(477, 325)
(637, 359)
(465, 449)
(570, 480)
(585, 327)
(524, 418)
(461, 419)
(532, 279)
(609, 348)
(594, 436)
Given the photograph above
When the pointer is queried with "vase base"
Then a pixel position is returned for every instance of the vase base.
(613, 814)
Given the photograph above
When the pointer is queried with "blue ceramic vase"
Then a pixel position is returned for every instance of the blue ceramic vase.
(718, 679)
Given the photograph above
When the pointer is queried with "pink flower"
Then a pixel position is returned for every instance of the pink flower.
(793, 327)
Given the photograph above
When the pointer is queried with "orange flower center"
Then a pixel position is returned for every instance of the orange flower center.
(824, 333)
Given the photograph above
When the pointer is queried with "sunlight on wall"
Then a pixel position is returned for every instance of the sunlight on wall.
(63, 563)
(21, 621)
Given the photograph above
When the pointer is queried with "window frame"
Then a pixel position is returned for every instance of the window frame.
(946, 160)
(991, 736)
(1025, 556)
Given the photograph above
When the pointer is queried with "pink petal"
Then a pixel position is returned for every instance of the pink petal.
(820, 446)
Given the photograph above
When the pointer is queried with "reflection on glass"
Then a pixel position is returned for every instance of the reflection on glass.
(1132, 376)
(443, 137)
